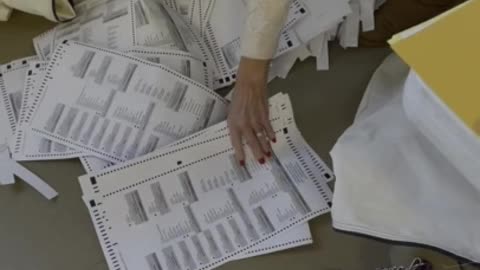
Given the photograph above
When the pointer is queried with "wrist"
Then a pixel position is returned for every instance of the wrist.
(253, 70)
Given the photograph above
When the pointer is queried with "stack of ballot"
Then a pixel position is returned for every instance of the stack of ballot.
(12, 79)
(217, 27)
(194, 45)
(191, 205)
(128, 88)
(145, 122)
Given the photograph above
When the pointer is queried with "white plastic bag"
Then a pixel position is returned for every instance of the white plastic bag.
(393, 183)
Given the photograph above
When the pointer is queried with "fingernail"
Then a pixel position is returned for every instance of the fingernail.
(274, 140)
(262, 161)
(242, 163)
(269, 154)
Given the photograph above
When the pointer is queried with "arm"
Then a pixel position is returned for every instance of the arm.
(248, 117)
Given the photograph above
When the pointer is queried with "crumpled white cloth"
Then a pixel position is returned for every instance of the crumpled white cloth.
(393, 183)
(54, 10)
(263, 26)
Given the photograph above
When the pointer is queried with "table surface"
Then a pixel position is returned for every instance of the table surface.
(58, 235)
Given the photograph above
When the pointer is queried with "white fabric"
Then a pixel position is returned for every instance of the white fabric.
(5, 12)
(393, 183)
(54, 10)
(264, 23)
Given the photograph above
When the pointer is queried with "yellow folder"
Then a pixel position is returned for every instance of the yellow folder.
(445, 53)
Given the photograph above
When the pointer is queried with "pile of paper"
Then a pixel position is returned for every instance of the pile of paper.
(210, 30)
(12, 78)
(192, 206)
(128, 87)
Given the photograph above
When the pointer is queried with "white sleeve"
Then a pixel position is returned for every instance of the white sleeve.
(263, 26)
(54, 10)
(5, 12)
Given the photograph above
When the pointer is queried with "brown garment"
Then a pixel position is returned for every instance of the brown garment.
(397, 15)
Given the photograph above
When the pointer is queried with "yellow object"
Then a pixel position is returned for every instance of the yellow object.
(445, 53)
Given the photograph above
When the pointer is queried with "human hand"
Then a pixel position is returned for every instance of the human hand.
(248, 116)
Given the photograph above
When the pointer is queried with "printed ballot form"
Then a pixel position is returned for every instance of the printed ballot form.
(102, 23)
(118, 107)
(25, 144)
(180, 61)
(171, 210)
(12, 80)
(122, 24)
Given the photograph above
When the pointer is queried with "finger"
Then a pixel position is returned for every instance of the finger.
(264, 143)
(254, 144)
(236, 139)
(267, 125)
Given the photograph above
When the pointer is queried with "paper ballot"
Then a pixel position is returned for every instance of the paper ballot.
(180, 61)
(26, 145)
(119, 107)
(127, 88)
(12, 78)
(250, 204)
(280, 109)
(209, 30)
(103, 23)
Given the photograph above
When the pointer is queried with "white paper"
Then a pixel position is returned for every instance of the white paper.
(282, 65)
(192, 39)
(180, 61)
(303, 52)
(117, 107)
(9, 168)
(183, 7)
(6, 176)
(350, 28)
(319, 48)
(367, 9)
(43, 44)
(25, 144)
(102, 23)
(11, 85)
(210, 199)
(33, 180)
(153, 26)
(322, 15)
(280, 111)
(202, 154)
(12, 80)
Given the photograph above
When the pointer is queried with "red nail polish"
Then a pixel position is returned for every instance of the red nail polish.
(274, 140)
(262, 161)
(269, 154)
(242, 163)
